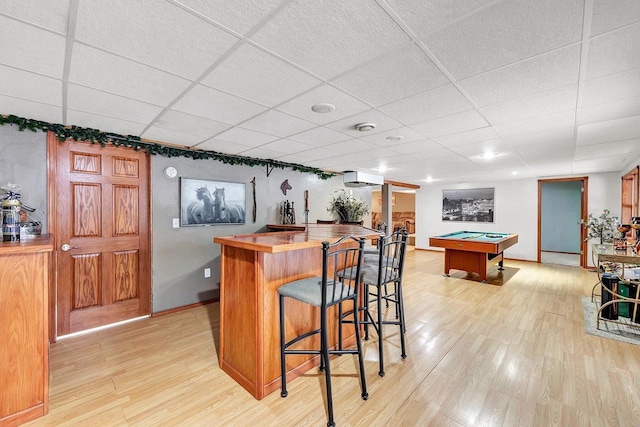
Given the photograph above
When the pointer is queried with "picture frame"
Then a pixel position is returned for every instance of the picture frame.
(468, 205)
(211, 202)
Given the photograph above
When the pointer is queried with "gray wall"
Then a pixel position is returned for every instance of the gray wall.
(23, 161)
(560, 217)
(179, 255)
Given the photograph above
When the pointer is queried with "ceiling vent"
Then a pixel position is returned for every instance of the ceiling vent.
(361, 179)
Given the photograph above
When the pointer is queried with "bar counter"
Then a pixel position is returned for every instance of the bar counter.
(252, 268)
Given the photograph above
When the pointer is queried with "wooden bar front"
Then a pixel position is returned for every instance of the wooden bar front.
(253, 267)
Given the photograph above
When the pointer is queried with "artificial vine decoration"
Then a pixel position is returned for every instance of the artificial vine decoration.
(96, 136)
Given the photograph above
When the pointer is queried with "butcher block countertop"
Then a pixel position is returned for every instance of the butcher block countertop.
(285, 241)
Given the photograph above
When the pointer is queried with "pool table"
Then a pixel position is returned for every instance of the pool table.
(473, 251)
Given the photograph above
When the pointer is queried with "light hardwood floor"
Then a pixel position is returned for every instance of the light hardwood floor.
(512, 352)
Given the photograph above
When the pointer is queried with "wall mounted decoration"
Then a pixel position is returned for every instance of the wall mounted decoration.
(95, 136)
(253, 185)
(285, 186)
(207, 202)
(468, 205)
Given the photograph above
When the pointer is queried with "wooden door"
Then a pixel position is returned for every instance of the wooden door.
(101, 205)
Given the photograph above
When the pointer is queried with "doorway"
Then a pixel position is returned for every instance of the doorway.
(562, 209)
(99, 217)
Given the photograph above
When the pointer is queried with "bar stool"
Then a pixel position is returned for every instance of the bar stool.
(326, 291)
(385, 270)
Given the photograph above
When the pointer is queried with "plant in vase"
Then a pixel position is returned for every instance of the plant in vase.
(347, 207)
(601, 227)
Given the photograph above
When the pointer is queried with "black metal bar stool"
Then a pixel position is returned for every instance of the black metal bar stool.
(378, 271)
(331, 289)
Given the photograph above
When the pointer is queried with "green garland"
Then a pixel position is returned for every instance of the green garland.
(97, 137)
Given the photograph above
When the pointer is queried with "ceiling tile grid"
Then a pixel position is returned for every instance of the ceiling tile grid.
(442, 81)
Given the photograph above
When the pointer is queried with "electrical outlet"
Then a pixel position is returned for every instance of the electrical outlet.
(207, 273)
(176, 222)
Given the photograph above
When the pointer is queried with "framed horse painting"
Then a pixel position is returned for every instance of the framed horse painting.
(207, 202)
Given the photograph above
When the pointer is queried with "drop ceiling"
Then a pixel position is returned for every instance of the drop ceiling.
(550, 87)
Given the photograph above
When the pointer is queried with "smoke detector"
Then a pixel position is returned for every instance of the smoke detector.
(365, 127)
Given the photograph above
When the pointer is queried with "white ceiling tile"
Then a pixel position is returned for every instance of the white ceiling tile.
(216, 105)
(223, 146)
(477, 149)
(276, 123)
(30, 86)
(611, 88)
(321, 153)
(300, 158)
(425, 16)
(320, 136)
(406, 133)
(468, 137)
(609, 131)
(534, 138)
(287, 146)
(393, 76)
(608, 149)
(51, 14)
(246, 137)
(161, 35)
(331, 36)
(612, 14)
(187, 123)
(553, 101)
(30, 48)
(610, 111)
(170, 136)
(105, 124)
(454, 123)
(30, 109)
(262, 153)
(352, 146)
(538, 74)
(110, 73)
(432, 104)
(238, 15)
(81, 98)
(502, 34)
(614, 52)
(537, 124)
(541, 149)
(423, 146)
(258, 76)
(602, 164)
(346, 105)
(381, 120)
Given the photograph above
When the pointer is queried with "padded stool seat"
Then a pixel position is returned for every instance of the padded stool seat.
(339, 283)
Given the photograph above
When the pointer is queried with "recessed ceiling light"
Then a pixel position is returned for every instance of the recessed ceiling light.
(514, 173)
(323, 108)
(488, 155)
(365, 127)
(429, 179)
(394, 138)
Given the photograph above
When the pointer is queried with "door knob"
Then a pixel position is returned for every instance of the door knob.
(66, 247)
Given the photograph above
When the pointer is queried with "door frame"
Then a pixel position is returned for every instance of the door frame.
(583, 214)
(52, 153)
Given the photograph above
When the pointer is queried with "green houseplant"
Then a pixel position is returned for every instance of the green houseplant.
(601, 227)
(347, 207)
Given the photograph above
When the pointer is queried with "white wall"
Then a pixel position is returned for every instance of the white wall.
(516, 210)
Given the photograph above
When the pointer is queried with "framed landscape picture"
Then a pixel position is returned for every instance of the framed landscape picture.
(207, 202)
(468, 205)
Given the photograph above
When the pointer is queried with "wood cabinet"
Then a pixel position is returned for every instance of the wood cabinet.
(24, 339)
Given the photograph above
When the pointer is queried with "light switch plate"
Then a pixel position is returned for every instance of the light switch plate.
(207, 273)
(176, 222)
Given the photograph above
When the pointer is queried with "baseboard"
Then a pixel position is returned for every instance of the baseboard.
(184, 307)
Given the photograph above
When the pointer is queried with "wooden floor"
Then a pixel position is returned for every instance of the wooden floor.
(512, 352)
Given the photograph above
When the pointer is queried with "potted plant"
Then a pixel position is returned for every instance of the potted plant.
(601, 227)
(347, 207)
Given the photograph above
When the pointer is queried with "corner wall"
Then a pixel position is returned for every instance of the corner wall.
(516, 211)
